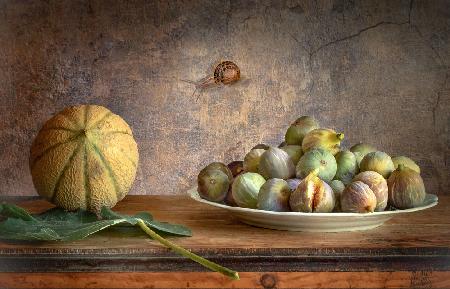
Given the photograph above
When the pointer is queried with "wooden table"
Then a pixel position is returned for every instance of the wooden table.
(410, 251)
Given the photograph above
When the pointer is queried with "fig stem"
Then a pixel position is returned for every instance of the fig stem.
(340, 136)
(180, 250)
(312, 174)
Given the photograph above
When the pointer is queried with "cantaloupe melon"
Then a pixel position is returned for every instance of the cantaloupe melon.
(84, 157)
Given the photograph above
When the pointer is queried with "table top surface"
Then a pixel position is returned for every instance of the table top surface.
(423, 236)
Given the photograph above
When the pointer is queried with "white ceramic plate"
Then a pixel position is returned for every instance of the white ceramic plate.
(313, 222)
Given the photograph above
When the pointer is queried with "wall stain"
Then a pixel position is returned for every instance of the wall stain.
(373, 70)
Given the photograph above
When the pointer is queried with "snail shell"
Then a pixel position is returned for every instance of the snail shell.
(226, 72)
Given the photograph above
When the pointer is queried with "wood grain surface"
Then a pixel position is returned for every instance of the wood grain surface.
(214, 228)
(266, 280)
(409, 251)
(376, 70)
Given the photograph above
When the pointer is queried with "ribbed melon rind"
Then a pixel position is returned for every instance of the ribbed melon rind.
(61, 121)
(102, 189)
(76, 114)
(84, 157)
(47, 170)
(112, 123)
(47, 140)
(96, 114)
(121, 159)
(68, 191)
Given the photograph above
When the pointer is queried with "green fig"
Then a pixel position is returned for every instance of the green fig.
(322, 138)
(274, 196)
(317, 159)
(378, 185)
(379, 162)
(358, 198)
(245, 189)
(407, 162)
(276, 163)
(406, 188)
(338, 187)
(220, 166)
(312, 196)
(213, 184)
(251, 160)
(346, 166)
(360, 150)
(297, 131)
(294, 151)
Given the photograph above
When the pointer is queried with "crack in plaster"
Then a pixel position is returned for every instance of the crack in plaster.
(351, 36)
(411, 3)
(438, 56)
(438, 96)
(313, 53)
(440, 62)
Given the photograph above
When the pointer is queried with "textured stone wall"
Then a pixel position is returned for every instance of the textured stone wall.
(376, 70)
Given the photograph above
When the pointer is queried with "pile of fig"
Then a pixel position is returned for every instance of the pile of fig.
(310, 172)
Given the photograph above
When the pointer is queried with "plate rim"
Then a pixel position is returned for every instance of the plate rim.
(193, 194)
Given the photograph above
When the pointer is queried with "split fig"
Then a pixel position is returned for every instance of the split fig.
(312, 195)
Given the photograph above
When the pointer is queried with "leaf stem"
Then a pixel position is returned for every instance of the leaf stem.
(180, 250)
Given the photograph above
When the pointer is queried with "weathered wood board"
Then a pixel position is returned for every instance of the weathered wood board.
(411, 251)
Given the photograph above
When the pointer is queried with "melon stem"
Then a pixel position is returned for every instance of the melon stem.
(180, 250)
(83, 132)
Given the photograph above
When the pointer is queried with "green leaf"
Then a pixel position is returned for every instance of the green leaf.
(18, 229)
(8, 210)
(161, 227)
(59, 225)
